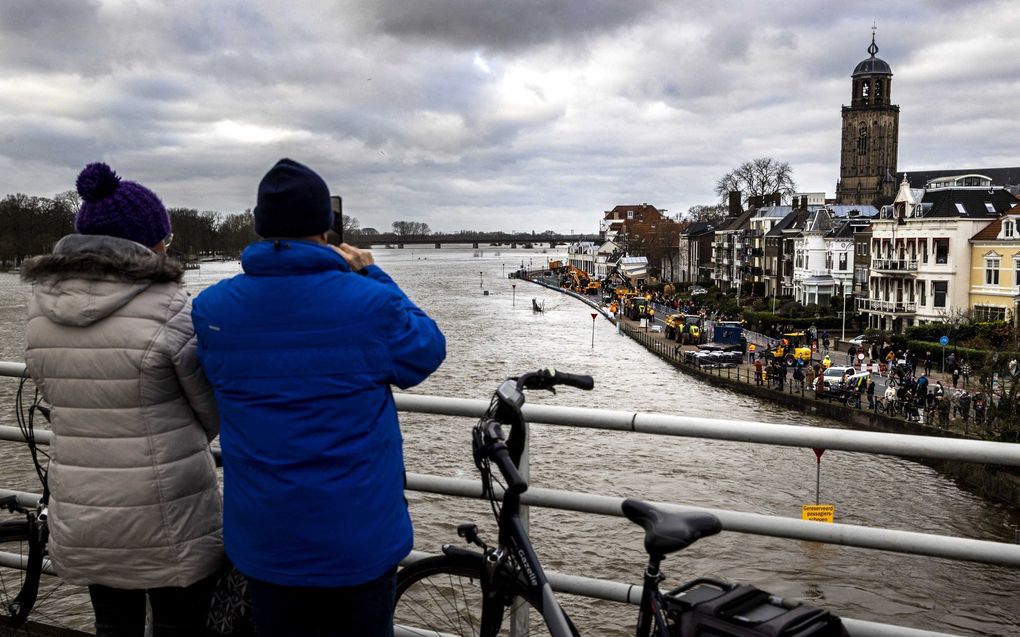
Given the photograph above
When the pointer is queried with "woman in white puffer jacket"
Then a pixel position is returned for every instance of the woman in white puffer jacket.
(135, 506)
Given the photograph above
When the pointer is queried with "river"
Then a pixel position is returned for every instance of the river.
(491, 336)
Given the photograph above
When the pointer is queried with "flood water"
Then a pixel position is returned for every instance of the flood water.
(491, 336)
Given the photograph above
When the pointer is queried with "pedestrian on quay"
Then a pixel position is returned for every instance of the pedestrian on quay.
(956, 375)
(783, 370)
(751, 347)
(965, 372)
(890, 362)
(809, 376)
(798, 376)
(758, 370)
(135, 506)
(927, 363)
(964, 405)
(825, 342)
(302, 351)
(851, 354)
(870, 392)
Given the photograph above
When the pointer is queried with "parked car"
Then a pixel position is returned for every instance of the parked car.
(831, 376)
(859, 340)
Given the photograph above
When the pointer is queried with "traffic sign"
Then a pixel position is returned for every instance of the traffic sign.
(944, 341)
(860, 357)
(818, 512)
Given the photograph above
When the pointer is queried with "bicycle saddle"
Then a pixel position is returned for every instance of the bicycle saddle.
(667, 532)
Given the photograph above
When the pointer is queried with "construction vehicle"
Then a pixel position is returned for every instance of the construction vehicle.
(593, 287)
(637, 307)
(693, 330)
(574, 279)
(794, 346)
(555, 264)
(674, 324)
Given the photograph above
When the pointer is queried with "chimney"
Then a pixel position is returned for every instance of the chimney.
(777, 199)
(734, 204)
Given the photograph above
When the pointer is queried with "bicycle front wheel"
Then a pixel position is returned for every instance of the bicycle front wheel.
(442, 595)
(56, 605)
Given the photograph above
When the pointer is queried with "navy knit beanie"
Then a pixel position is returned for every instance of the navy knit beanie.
(293, 201)
(119, 208)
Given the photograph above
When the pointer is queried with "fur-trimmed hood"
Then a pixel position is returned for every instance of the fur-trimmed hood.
(88, 277)
(97, 257)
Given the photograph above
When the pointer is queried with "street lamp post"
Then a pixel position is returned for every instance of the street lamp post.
(480, 283)
(843, 336)
(593, 315)
(514, 286)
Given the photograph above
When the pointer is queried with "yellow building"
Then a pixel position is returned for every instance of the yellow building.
(995, 269)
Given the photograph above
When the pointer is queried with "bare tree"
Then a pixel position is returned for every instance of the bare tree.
(710, 213)
(756, 178)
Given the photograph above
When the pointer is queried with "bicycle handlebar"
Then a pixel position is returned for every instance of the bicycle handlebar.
(549, 378)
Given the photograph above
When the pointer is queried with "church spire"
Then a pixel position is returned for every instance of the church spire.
(873, 49)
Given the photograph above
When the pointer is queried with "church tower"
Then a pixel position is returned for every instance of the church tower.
(871, 126)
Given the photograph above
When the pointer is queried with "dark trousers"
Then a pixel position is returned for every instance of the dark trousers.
(176, 612)
(365, 610)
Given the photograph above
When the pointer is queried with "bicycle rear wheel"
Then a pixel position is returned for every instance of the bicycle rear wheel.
(442, 595)
(57, 604)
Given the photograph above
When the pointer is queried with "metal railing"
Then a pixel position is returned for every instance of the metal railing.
(893, 307)
(894, 265)
(906, 542)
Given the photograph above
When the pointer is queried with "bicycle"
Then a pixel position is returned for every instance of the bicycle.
(466, 592)
(23, 540)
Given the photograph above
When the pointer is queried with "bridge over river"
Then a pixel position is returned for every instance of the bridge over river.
(521, 240)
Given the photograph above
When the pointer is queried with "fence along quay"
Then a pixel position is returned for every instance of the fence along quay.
(905, 542)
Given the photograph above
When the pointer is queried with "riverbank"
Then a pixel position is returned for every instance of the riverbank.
(991, 481)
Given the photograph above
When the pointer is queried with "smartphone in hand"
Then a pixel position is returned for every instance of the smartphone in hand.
(335, 235)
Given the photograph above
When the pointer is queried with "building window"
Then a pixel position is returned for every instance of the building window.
(941, 251)
(1007, 228)
(990, 207)
(992, 270)
(989, 313)
(939, 290)
(828, 260)
(630, 214)
(862, 138)
(924, 295)
(842, 261)
(924, 251)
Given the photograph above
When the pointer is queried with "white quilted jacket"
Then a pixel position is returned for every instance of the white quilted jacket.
(135, 501)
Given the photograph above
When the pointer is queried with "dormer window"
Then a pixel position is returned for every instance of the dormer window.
(960, 209)
(1007, 229)
(989, 207)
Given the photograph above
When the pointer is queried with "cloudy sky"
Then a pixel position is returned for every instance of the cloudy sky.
(487, 114)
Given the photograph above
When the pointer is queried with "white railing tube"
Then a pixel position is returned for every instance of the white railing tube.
(910, 445)
(908, 542)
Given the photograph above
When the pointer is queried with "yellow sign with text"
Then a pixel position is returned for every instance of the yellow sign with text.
(818, 512)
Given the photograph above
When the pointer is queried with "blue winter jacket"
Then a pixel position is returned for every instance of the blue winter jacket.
(301, 353)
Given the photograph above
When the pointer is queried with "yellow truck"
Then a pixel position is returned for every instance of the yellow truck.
(793, 347)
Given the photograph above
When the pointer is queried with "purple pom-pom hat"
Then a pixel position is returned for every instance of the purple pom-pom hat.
(119, 208)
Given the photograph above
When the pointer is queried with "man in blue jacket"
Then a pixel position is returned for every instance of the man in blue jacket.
(301, 350)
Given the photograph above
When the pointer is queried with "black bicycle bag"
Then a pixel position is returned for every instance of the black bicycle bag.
(710, 608)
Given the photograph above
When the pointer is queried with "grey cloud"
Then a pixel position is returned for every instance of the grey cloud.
(502, 26)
